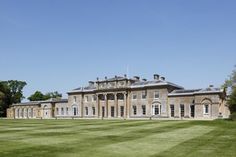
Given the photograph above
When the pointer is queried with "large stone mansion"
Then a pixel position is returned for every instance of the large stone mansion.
(123, 97)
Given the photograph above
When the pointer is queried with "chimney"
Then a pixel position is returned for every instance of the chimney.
(163, 78)
(91, 83)
(136, 78)
(156, 77)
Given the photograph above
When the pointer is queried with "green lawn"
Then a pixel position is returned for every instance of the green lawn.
(116, 138)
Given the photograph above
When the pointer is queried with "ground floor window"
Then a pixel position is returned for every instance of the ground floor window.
(182, 110)
(57, 111)
(62, 111)
(192, 110)
(144, 109)
(156, 109)
(122, 111)
(93, 108)
(134, 110)
(74, 111)
(86, 111)
(103, 111)
(206, 109)
(172, 110)
(67, 111)
(112, 111)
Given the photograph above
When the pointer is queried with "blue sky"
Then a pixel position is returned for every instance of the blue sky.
(60, 45)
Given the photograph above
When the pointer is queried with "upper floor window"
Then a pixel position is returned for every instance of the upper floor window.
(74, 98)
(144, 95)
(206, 109)
(94, 98)
(134, 96)
(86, 98)
(156, 95)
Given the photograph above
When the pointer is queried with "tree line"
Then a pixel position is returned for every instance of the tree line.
(11, 92)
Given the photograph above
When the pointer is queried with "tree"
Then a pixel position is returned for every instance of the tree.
(10, 93)
(53, 95)
(39, 96)
(231, 80)
(232, 101)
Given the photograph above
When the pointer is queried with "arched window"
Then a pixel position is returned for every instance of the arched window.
(74, 110)
(206, 106)
(156, 109)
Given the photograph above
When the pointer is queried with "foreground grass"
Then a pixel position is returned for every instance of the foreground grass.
(89, 138)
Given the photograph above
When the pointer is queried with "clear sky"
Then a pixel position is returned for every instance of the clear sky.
(60, 45)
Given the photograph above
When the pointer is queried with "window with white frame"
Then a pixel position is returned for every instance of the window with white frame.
(206, 108)
(156, 95)
(156, 109)
(144, 95)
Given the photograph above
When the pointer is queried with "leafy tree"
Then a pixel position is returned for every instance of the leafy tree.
(53, 95)
(39, 96)
(231, 80)
(232, 101)
(10, 93)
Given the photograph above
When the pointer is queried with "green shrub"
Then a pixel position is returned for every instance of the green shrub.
(233, 116)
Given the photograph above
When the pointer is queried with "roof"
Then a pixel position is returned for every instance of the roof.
(153, 83)
(35, 103)
(209, 90)
(135, 84)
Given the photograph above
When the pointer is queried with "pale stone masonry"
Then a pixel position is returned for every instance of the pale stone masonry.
(123, 97)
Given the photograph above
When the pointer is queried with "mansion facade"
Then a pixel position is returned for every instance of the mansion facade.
(123, 97)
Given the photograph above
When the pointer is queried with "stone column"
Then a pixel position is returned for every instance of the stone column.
(82, 106)
(116, 104)
(106, 103)
(126, 105)
(98, 106)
